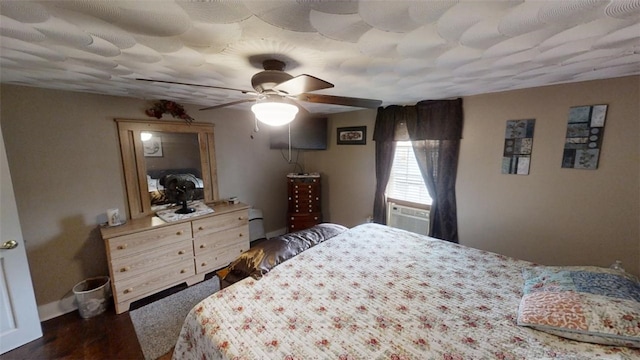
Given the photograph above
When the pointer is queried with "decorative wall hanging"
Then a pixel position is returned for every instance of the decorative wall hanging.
(168, 107)
(153, 147)
(518, 142)
(585, 129)
(356, 135)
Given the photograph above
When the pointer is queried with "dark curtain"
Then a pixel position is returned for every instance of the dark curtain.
(435, 136)
(438, 162)
(388, 120)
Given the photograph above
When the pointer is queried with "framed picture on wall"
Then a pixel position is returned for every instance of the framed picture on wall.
(585, 128)
(355, 135)
(153, 147)
(518, 143)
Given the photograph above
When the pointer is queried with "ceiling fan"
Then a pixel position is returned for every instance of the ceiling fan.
(277, 92)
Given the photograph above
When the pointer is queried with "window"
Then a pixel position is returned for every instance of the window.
(406, 183)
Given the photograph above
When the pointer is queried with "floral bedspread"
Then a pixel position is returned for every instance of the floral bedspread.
(376, 292)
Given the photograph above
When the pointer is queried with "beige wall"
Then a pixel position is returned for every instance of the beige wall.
(348, 171)
(65, 165)
(552, 215)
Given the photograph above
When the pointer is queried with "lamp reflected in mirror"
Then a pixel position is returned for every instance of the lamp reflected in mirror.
(145, 136)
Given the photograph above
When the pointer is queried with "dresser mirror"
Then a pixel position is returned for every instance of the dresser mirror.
(152, 150)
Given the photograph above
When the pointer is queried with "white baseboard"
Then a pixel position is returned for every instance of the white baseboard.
(57, 308)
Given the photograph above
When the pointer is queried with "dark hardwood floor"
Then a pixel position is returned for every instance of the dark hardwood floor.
(105, 336)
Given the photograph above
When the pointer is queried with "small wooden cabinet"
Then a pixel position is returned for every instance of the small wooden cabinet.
(148, 255)
(304, 196)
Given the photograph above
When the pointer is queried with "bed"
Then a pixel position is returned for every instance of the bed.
(375, 292)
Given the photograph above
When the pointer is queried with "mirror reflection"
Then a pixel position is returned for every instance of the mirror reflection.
(186, 152)
(172, 159)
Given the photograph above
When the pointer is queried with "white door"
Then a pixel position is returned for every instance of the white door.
(19, 322)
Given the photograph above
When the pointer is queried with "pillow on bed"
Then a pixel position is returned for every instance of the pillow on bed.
(589, 304)
(266, 254)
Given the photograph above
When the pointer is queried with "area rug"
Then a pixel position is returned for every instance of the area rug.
(158, 324)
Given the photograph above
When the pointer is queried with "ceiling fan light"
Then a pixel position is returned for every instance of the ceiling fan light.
(274, 113)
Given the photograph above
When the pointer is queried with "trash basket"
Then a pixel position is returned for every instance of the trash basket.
(92, 295)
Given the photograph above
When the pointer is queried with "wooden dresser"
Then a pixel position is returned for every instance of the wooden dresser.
(304, 194)
(148, 255)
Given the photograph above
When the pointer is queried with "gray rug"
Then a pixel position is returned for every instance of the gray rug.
(158, 324)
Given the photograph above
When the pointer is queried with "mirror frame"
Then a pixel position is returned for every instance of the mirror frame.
(135, 170)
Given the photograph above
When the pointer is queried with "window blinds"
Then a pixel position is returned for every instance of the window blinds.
(406, 182)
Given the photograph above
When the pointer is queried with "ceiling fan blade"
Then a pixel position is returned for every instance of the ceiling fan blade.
(200, 85)
(301, 84)
(340, 100)
(302, 111)
(227, 104)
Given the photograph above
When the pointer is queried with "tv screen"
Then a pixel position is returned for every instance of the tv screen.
(306, 134)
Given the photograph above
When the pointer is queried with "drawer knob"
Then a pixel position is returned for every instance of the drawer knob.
(129, 290)
(201, 228)
(240, 217)
(240, 235)
(124, 269)
(203, 264)
(315, 218)
(202, 246)
(183, 271)
(181, 252)
(179, 232)
(122, 247)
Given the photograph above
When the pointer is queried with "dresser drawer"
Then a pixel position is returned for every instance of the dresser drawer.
(301, 222)
(220, 258)
(142, 263)
(304, 190)
(301, 206)
(148, 240)
(220, 222)
(215, 241)
(152, 281)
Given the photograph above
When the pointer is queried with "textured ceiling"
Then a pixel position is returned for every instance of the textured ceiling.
(399, 52)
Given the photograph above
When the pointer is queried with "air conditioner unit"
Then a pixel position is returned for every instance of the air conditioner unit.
(408, 218)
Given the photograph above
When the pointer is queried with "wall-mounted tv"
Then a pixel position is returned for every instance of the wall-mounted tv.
(309, 133)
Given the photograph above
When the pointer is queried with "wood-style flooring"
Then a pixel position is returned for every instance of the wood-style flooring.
(105, 336)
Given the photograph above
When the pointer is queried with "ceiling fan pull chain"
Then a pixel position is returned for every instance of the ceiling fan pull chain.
(289, 143)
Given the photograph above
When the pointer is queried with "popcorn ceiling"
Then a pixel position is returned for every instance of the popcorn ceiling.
(399, 52)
